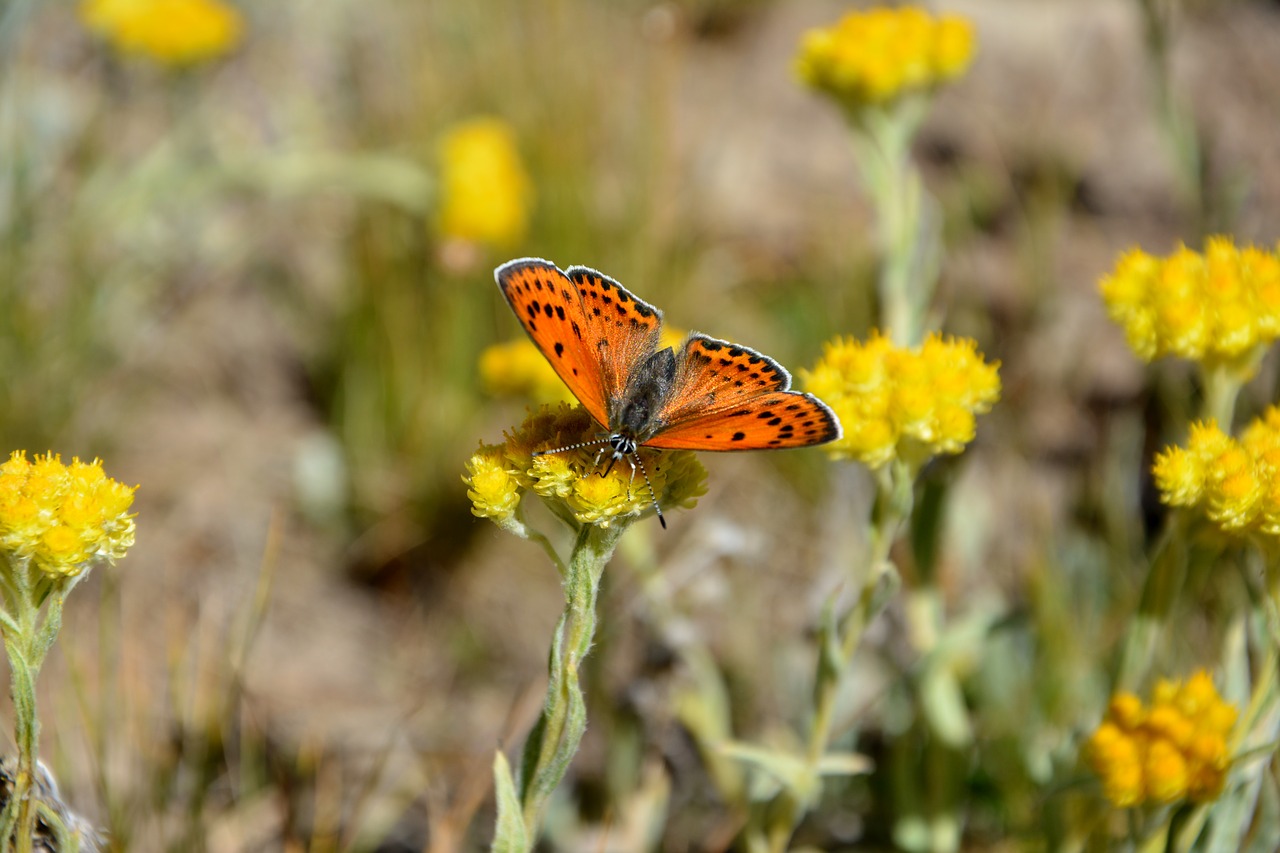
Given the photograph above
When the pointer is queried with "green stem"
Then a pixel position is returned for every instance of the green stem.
(840, 640)
(26, 641)
(1222, 384)
(1176, 121)
(908, 238)
(1159, 591)
(893, 509)
(555, 737)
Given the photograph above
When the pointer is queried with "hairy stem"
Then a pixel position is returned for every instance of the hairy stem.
(555, 737)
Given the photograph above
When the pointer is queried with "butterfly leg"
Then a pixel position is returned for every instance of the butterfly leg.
(632, 462)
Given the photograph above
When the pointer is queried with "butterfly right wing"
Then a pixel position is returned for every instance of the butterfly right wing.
(729, 397)
(587, 325)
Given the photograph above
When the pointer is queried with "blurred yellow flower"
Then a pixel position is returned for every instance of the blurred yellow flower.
(519, 369)
(908, 404)
(485, 193)
(875, 56)
(62, 518)
(1217, 306)
(573, 484)
(1235, 482)
(173, 32)
(1172, 750)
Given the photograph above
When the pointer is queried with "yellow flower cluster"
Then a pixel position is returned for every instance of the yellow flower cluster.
(1174, 749)
(908, 404)
(173, 32)
(1235, 482)
(571, 483)
(485, 193)
(876, 56)
(1219, 305)
(62, 518)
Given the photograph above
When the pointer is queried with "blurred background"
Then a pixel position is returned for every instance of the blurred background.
(256, 279)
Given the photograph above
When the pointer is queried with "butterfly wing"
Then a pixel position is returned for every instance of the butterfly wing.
(625, 329)
(729, 397)
(588, 326)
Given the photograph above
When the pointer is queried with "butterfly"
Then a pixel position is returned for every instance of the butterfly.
(709, 395)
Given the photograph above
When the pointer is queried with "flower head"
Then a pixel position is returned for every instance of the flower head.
(63, 518)
(1221, 305)
(1173, 749)
(903, 403)
(573, 483)
(485, 193)
(172, 32)
(876, 56)
(1235, 482)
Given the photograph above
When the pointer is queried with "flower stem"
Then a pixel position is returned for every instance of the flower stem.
(26, 641)
(908, 232)
(1164, 580)
(839, 640)
(555, 737)
(893, 508)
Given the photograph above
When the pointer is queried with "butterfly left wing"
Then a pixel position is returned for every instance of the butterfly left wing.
(551, 311)
(729, 397)
(591, 329)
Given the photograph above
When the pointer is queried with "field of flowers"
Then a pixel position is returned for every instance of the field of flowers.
(314, 537)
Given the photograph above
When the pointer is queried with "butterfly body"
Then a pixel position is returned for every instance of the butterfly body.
(709, 394)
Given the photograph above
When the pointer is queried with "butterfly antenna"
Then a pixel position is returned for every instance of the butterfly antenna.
(569, 447)
(652, 494)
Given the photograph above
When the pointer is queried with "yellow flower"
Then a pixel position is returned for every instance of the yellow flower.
(1219, 306)
(518, 369)
(492, 486)
(1235, 482)
(876, 56)
(63, 518)
(485, 193)
(173, 32)
(1174, 749)
(574, 484)
(908, 404)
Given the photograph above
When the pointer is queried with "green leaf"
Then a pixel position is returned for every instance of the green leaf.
(943, 705)
(791, 771)
(509, 834)
(845, 764)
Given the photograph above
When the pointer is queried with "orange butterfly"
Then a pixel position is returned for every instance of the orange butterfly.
(711, 395)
